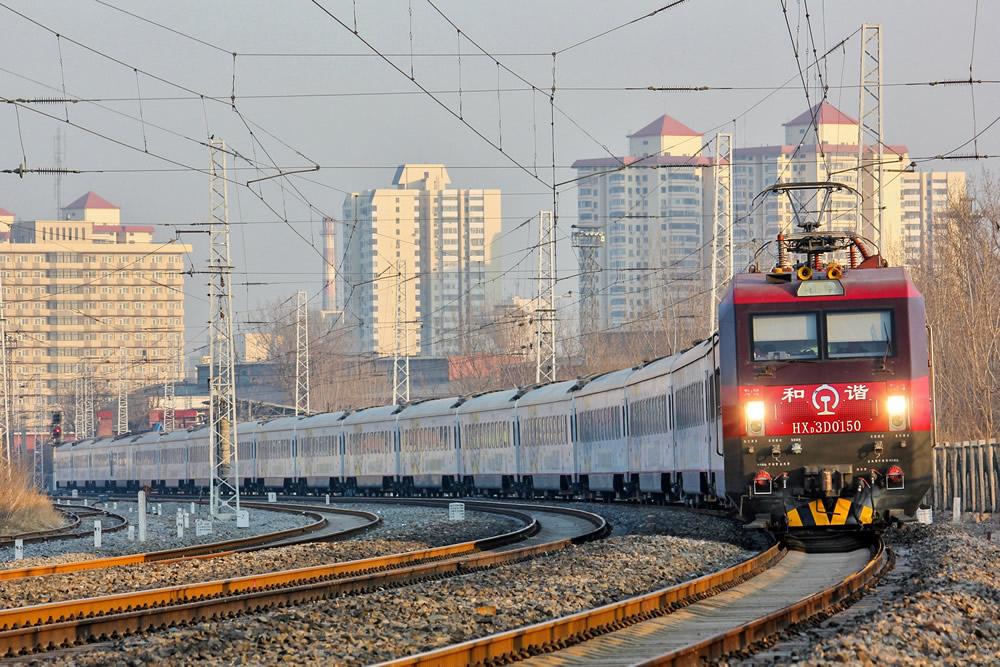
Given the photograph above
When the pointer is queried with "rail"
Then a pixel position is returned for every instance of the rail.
(213, 549)
(71, 530)
(59, 624)
(574, 630)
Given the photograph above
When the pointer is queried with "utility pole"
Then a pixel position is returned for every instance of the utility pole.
(870, 132)
(224, 487)
(6, 460)
(302, 354)
(588, 242)
(722, 225)
(545, 312)
(122, 425)
(400, 343)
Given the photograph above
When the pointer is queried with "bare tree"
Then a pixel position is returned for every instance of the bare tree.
(963, 309)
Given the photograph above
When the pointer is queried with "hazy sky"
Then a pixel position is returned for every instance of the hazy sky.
(358, 117)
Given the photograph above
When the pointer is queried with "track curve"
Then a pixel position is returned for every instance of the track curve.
(686, 624)
(328, 523)
(63, 624)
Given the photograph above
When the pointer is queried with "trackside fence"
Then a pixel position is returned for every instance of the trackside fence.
(969, 470)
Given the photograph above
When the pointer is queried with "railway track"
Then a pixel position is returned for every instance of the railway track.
(328, 523)
(68, 623)
(74, 528)
(703, 619)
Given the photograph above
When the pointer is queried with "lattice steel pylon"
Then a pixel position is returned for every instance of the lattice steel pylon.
(6, 455)
(122, 424)
(169, 394)
(588, 242)
(545, 313)
(302, 354)
(88, 402)
(37, 452)
(78, 403)
(224, 488)
(722, 224)
(870, 132)
(400, 343)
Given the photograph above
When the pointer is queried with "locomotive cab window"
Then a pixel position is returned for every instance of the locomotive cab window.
(785, 336)
(859, 334)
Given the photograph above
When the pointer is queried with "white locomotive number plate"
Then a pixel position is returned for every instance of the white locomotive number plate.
(834, 426)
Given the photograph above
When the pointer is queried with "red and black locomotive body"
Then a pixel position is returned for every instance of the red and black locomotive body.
(826, 397)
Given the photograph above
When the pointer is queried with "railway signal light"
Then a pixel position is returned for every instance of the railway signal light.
(56, 431)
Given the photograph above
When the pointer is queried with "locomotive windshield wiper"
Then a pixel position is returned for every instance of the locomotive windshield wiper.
(884, 368)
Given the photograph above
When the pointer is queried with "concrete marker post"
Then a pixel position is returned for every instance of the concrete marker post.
(956, 509)
(142, 516)
(131, 532)
(18, 549)
(97, 534)
(180, 526)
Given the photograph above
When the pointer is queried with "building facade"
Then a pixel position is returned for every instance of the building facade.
(810, 153)
(84, 296)
(654, 209)
(428, 242)
(926, 198)
(649, 206)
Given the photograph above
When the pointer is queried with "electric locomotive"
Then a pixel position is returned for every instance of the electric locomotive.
(826, 388)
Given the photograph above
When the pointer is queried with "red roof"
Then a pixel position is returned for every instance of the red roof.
(90, 200)
(827, 114)
(111, 229)
(4, 212)
(666, 126)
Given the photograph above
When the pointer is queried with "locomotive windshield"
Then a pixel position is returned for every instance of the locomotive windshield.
(846, 335)
(859, 334)
(785, 336)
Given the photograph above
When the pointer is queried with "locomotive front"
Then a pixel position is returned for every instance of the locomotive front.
(826, 398)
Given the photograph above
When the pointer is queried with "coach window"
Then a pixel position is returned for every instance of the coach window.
(783, 337)
(859, 334)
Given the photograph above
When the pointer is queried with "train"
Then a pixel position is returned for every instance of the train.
(811, 407)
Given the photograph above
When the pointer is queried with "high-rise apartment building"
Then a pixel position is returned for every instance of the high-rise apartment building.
(926, 198)
(654, 208)
(82, 294)
(440, 240)
(820, 144)
(650, 206)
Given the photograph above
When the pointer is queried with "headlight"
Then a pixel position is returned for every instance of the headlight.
(754, 411)
(896, 407)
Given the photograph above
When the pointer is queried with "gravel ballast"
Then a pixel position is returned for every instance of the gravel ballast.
(161, 533)
(369, 628)
(939, 606)
(403, 529)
